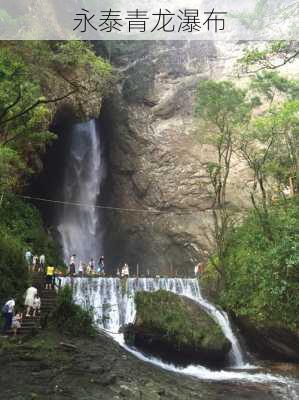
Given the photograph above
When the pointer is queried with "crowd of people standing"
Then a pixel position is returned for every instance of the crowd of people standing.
(82, 268)
(12, 318)
(92, 267)
(35, 263)
(32, 302)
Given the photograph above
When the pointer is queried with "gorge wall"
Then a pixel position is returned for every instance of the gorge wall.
(156, 160)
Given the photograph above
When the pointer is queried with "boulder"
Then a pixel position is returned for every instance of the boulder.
(176, 329)
(270, 341)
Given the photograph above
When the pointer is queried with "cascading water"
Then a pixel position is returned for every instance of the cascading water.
(79, 226)
(114, 307)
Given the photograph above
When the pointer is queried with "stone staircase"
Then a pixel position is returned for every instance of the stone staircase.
(48, 300)
(29, 325)
(32, 324)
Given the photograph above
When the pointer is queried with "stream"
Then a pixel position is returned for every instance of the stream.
(114, 307)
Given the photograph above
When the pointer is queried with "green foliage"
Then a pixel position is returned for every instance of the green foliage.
(222, 104)
(35, 76)
(270, 143)
(226, 110)
(13, 271)
(262, 276)
(164, 313)
(11, 168)
(70, 318)
(23, 221)
(274, 55)
(269, 83)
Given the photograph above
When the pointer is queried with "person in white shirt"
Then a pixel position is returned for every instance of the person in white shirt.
(16, 323)
(80, 269)
(125, 271)
(36, 305)
(42, 262)
(8, 310)
(28, 258)
(34, 263)
(31, 292)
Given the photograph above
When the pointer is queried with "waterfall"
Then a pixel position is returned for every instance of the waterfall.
(114, 307)
(79, 226)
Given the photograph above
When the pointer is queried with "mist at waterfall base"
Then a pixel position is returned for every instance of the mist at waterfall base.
(80, 227)
(114, 307)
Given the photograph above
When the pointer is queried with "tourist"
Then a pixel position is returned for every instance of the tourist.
(72, 269)
(36, 305)
(31, 292)
(16, 323)
(125, 271)
(28, 258)
(34, 263)
(99, 268)
(7, 311)
(102, 265)
(92, 265)
(80, 269)
(57, 277)
(88, 269)
(49, 277)
(42, 263)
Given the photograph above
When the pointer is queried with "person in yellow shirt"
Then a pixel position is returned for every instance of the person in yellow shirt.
(49, 277)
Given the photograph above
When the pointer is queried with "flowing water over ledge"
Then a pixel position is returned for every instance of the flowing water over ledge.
(114, 307)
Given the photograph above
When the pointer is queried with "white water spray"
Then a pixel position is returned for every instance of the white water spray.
(113, 308)
(80, 227)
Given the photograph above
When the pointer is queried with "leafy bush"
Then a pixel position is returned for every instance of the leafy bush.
(262, 275)
(23, 221)
(13, 271)
(70, 318)
(178, 320)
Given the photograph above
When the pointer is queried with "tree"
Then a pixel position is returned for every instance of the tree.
(271, 86)
(224, 109)
(34, 78)
(11, 167)
(275, 55)
(270, 147)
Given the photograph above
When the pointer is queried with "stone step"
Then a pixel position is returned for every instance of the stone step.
(30, 321)
(25, 329)
(48, 298)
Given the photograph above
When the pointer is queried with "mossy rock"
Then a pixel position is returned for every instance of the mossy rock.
(176, 329)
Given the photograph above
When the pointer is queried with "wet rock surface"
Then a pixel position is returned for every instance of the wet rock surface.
(270, 342)
(41, 368)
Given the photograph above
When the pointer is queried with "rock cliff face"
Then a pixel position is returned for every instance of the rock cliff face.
(155, 156)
